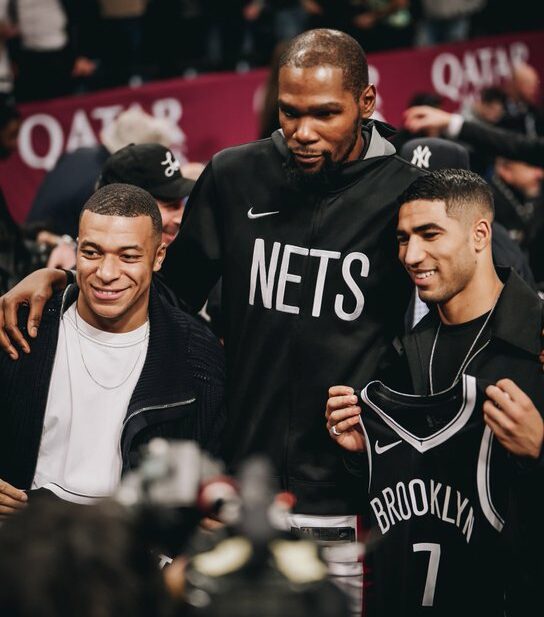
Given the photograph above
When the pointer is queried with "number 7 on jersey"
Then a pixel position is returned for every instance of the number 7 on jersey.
(432, 570)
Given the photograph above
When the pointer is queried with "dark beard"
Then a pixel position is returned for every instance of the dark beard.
(317, 182)
(321, 181)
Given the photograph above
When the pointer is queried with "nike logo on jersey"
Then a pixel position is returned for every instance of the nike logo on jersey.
(258, 215)
(381, 449)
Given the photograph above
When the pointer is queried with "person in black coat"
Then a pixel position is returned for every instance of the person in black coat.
(168, 383)
(496, 141)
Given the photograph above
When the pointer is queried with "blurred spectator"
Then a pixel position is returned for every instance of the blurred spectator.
(488, 108)
(289, 18)
(122, 28)
(176, 36)
(445, 21)
(57, 44)
(154, 168)
(430, 99)
(61, 560)
(72, 181)
(523, 111)
(226, 33)
(7, 32)
(494, 140)
(519, 206)
(382, 24)
(15, 259)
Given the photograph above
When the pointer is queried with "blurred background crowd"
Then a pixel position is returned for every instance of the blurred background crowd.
(55, 47)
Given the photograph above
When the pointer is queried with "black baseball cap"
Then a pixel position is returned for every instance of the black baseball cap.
(149, 166)
(435, 153)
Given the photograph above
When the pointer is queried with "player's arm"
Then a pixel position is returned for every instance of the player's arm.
(342, 415)
(34, 290)
(514, 419)
(194, 260)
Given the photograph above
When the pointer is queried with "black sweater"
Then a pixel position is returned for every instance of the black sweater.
(179, 395)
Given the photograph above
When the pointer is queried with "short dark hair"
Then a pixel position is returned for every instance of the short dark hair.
(493, 94)
(323, 46)
(59, 559)
(460, 189)
(124, 200)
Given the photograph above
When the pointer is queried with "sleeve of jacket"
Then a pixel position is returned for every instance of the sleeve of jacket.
(206, 358)
(194, 260)
(503, 143)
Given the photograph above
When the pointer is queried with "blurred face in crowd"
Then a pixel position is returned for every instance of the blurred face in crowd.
(439, 251)
(320, 118)
(526, 83)
(490, 111)
(171, 214)
(8, 137)
(116, 257)
(527, 179)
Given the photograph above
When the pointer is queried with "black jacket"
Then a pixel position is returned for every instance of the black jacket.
(179, 395)
(312, 295)
(503, 143)
(515, 343)
(512, 352)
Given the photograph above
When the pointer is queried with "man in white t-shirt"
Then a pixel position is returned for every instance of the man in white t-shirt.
(116, 366)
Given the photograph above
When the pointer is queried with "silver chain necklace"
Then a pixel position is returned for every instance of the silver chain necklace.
(98, 383)
(465, 362)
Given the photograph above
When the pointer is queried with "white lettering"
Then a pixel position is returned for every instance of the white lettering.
(81, 132)
(358, 294)
(389, 498)
(435, 489)
(402, 499)
(423, 494)
(286, 277)
(519, 53)
(172, 111)
(447, 75)
(503, 70)
(380, 515)
(469, 525)
(446, 506)
(485, 54)
(472, 74)
(324, 257)
(106, 115)
(26, 148)
(266, 279)
(460, 508)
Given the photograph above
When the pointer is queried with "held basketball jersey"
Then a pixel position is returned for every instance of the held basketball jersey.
(438, 486)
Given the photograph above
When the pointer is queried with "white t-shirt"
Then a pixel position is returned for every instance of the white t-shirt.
(94, 376)
(42, 24)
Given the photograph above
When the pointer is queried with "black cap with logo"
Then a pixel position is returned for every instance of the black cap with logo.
(149, 166)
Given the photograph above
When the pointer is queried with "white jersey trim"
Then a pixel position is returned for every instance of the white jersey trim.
(483, 481)
(423, 444)
(368, 452)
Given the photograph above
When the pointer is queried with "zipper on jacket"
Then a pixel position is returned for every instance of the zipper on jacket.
(143, 410)
(153, 407)
(317, 216)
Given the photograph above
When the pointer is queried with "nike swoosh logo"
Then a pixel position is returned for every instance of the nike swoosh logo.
(382, 449)
(252, 215)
